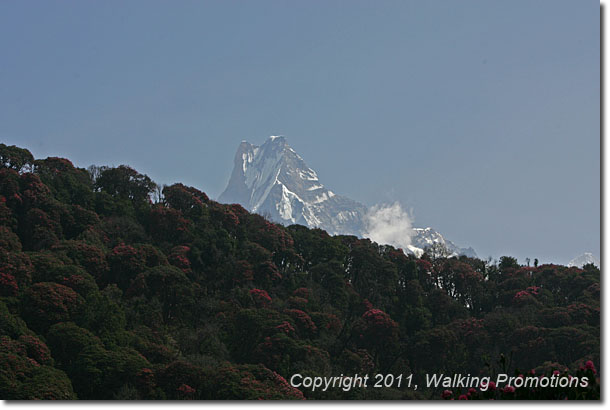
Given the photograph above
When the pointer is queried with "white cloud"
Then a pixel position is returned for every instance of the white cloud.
(389, 224)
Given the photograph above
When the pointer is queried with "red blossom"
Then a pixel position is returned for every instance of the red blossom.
(533, 289)
(303, 319)
(186, 391)
(332, 322)
(297, 301)
(145, 379)
(285, 327)
(185, 199)
(167, 224)
(261, 297)
(8, 285)
(244, 271)
(179, 258)
(528, 295)
(36, 349)
(590, 366)
(424, 265)
(301, 292)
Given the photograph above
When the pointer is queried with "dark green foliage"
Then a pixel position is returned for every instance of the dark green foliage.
(46, 303)
(69, 184)
(124, 182)
(14, 157)
(171, 287)
(26, 372)
(107, 295)
(11, 324)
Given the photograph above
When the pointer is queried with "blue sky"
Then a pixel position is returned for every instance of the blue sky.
(482, 117)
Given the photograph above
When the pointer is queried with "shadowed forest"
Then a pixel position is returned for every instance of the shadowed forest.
(112, 287)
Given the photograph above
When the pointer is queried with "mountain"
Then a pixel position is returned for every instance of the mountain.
(273, 180)
(584, 259)
(425, 237)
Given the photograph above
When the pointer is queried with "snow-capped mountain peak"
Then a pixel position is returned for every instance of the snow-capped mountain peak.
(273, 180)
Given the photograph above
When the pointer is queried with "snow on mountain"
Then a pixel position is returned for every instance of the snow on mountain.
(426, 237)
(273, 180)
(584, 259)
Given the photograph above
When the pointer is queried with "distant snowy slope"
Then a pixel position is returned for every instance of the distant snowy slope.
(584, 259)
(426, 237)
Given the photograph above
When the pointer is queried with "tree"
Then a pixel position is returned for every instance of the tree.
(437, 251)
(68, 183)
(47, 303)
(508, 264)
(168, 225)
(125, 182)
(378, 333)
(22, 377)
(190, 201)
(171, 287)
(14, 157)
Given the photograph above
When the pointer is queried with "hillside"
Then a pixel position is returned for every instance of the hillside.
(106, 293)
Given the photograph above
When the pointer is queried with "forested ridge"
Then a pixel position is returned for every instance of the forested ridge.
(112, 287)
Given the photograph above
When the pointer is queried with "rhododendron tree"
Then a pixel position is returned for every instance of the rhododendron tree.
(190, 201)
(46, 303)
(8, 285)
(261, 297)
(168, 224)
(302, 320)
(14, 157)
(125, 262)
(125, 182)
(170, 286)
(178, 257)
(68, 183)
(377, 332)
(22, 377)
(39, 230)
(244, 271)
(91, 258)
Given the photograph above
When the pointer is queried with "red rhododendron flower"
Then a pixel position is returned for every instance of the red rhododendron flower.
(590, 366)
(261, 297)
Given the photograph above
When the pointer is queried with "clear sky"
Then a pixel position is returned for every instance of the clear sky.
(482, 117)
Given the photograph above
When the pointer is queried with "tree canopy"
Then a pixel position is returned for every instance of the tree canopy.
(114, 288)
